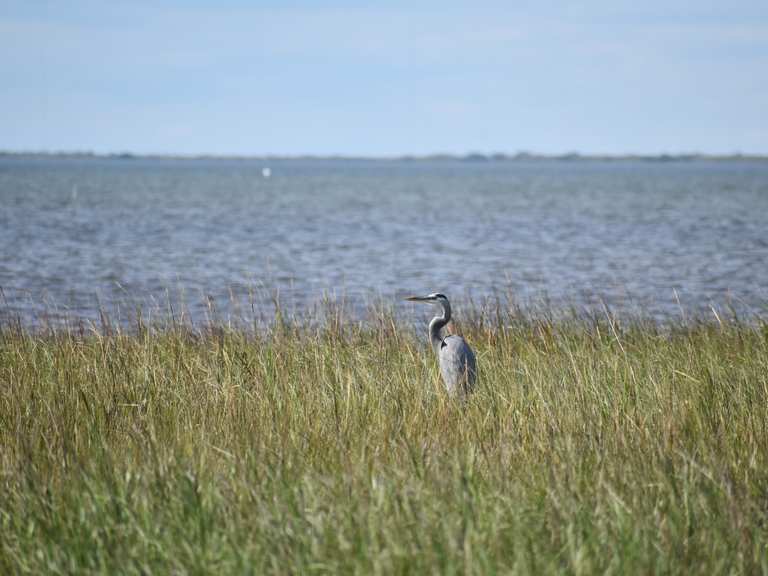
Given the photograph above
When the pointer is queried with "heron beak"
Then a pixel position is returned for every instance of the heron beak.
(418, 299)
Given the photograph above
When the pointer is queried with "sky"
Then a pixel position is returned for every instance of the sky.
(384, 78)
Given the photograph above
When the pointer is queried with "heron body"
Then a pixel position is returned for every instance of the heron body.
(456, 359)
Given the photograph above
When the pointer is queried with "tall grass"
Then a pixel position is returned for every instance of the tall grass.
(590, 446)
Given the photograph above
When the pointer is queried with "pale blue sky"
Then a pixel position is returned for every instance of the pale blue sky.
(385, 78)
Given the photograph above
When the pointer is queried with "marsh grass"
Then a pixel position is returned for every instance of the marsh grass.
(591, 446)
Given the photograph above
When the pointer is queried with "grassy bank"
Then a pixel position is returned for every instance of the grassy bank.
(589, 447)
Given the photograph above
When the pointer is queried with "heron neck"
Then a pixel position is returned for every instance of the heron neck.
(436, 327)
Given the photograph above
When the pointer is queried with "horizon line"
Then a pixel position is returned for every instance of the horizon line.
(467, 156)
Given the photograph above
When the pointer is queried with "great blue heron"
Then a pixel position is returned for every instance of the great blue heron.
(457, 361)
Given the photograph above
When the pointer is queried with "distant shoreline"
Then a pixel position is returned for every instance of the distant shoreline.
(471, 157)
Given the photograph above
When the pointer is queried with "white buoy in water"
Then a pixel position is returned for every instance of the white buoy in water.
(266, 172)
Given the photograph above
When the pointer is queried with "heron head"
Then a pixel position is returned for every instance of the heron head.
(435, 298)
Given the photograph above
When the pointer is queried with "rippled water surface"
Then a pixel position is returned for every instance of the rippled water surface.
(77, 234)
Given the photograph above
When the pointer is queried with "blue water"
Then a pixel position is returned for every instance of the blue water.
(641, 236)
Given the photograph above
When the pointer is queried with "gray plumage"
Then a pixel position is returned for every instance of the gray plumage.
(456, 359)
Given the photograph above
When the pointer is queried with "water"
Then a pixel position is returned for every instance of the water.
(79, 234)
